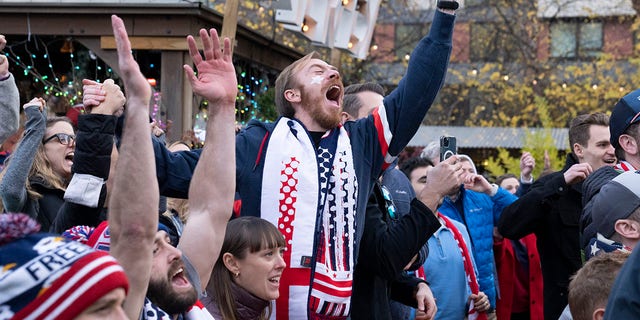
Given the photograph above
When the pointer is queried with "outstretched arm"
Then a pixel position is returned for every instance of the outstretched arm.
(213, 184)
(87, 192)
(407, 105)
(12, 187)
(133, 216)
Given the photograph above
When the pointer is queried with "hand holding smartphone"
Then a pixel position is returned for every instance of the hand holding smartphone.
(448, 147)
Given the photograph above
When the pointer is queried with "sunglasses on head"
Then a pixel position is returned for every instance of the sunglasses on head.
(63, 138)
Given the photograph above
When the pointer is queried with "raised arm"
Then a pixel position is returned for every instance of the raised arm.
(407, 105)
(213, 184)
(133, 215)
(14, 178)
(86, 193)
(9, 98)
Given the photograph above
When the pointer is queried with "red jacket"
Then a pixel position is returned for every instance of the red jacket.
(505, 262)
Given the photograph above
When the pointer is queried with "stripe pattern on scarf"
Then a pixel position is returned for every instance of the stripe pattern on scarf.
(384, 135)
(468, 267)
(624, 166)
(317, 282)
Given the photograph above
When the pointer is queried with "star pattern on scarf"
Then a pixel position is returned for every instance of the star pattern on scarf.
(594, 248)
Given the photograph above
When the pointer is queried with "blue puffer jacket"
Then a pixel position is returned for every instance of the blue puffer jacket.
(481, 214)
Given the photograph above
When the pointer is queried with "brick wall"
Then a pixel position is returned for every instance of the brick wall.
(618, 39)
(461, 42)
(544, 43)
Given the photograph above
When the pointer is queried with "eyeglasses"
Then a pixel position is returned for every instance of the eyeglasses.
(63, 138)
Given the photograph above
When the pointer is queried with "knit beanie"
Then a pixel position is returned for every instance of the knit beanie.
(100, 239)
(45, 276)
(97, 238)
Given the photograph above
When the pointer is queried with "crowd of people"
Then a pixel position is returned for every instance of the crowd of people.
(308, 217)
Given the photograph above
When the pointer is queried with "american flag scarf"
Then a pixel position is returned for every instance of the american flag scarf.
(314, 191)
(624, 166)
(152, 312)
(468, 267)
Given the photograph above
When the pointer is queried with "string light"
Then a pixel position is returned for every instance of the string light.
(47, 78)
(252, 83)
(253, 80)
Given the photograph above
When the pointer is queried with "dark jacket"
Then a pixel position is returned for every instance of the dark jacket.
(590, 188)
(551, 210)
(374, 140)
(92, 157)
(387, 247)
(624, 299)
(46, 208)
(248, 306)
(405, 108)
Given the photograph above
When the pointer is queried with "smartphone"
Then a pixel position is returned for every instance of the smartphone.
(448, 147)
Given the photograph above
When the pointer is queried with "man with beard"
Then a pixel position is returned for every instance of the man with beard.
(159, 277)
(311, 177)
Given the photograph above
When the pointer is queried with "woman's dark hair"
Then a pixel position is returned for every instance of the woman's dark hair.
(244, 235)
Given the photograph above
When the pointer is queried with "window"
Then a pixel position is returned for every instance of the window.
(407, 37)
(576, 39)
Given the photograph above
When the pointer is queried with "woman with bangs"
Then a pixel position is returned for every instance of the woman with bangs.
(38, 172)
(246, 276)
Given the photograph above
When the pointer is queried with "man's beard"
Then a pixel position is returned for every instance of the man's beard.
(325, 117)
(163, 295)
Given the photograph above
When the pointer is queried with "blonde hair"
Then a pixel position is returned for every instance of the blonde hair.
(41, 167)
(180, 206)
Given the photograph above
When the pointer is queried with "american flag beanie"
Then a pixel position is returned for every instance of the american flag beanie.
(45, 276)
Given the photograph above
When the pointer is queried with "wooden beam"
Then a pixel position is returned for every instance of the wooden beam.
(150, 43)
(230, 22)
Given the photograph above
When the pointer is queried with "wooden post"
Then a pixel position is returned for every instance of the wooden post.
(230, 22)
